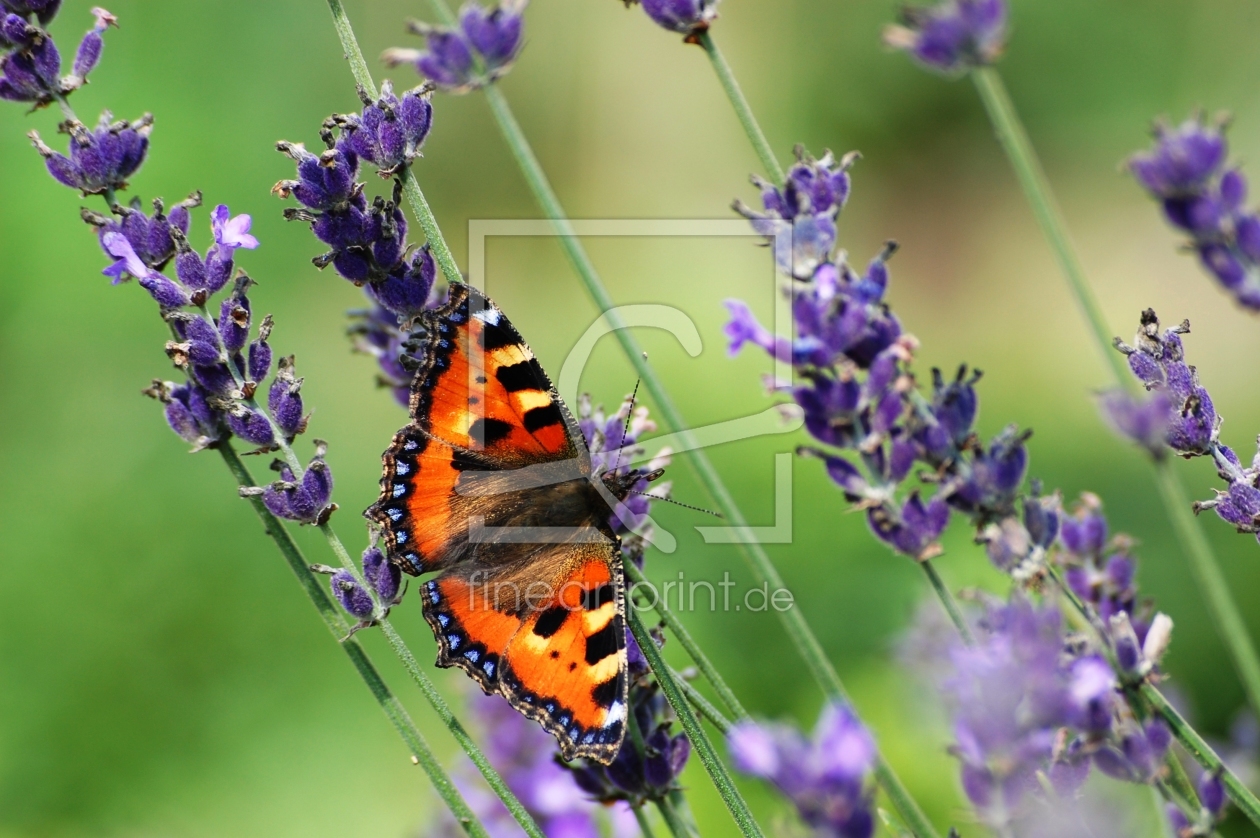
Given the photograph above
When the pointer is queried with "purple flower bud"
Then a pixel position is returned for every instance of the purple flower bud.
(351, 595)
(1212, 793)
(914, 530)
(384, 576)
(952, 36)
(259, 365)
(494, 34)
(284, 400)
(1092, 694)
(251, 426)
(89, 52)
(448, 60)
(1084, 532)
(753, 750)
(215, 379)
(16, 32)
(191, 268)
(167, 293)
(688, 17)
(234, 316)
(44, 9)
(306, 501)
(390, 132)
(1177, 820)
(1183, 158)
(102, 158)
(1144, 422)
(406, 294)
(189, 414)
(325, 182)
(202, 339)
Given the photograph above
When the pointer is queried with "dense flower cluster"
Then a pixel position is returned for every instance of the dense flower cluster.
(1187, 172)
(1187, 422)
(1027, 698)
(524, 754)
(827, 777)
(459, 59)
(30, 70)
(953, 36)
(850, 357)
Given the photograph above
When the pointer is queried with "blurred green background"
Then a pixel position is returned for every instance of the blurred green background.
(161, 674)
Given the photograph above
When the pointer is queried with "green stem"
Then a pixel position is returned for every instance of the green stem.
(640, 817)
(1224, 611)
(702, 704)
(677, 814)
(947, 600)
(742, 109)
(435, 699)
(1202, 752)
(798, 631)
(331, 615)
(411, 187)
(692, 648)
(699, 740)
(1014, 140)
(1199, 554)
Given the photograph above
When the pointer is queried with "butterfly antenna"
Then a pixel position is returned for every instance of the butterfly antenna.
(678, 503)
(621, 444)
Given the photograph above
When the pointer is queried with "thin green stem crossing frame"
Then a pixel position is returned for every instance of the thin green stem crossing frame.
(1199, 554)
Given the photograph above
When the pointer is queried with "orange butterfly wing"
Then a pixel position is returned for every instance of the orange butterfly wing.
(491, 442)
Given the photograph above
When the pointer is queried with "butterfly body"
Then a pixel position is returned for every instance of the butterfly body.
(491, 486)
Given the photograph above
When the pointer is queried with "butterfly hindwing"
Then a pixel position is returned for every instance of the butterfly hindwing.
(561, 660)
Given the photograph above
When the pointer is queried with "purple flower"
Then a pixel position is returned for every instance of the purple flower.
(189, 412)
(231, 232)
(253, 427)
(1185, 171)
(826, 776)
(446, 61)
(383, 575)
(688, 17)
(284, 400)
(407, 290)
(1011, 695)
(45, 10)
(1145, 422)
(376, 332)
(524, 755)
(100, 159)
(306, 501)
(494, 34)
(914, 529)
(152, 239)
(995, 475)
(800, 218)
(325, 181)
(953, 36)
(89, 53)
(351, 595)
(390, 131)
(1158, 360)
(30, 72)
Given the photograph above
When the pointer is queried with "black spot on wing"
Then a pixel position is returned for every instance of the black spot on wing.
(602, 643)
(489, 430)
(609, 691)
(523, 375)
(591, 600)
(550, 621)
(497, 336)
(543, 417)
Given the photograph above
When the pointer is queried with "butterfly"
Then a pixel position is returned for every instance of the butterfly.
(491, 486)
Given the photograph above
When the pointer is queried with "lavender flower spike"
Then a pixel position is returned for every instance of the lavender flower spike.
(953, 36)
(827, 776)
(495, 34)
(1186, 172)
(101, 159)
